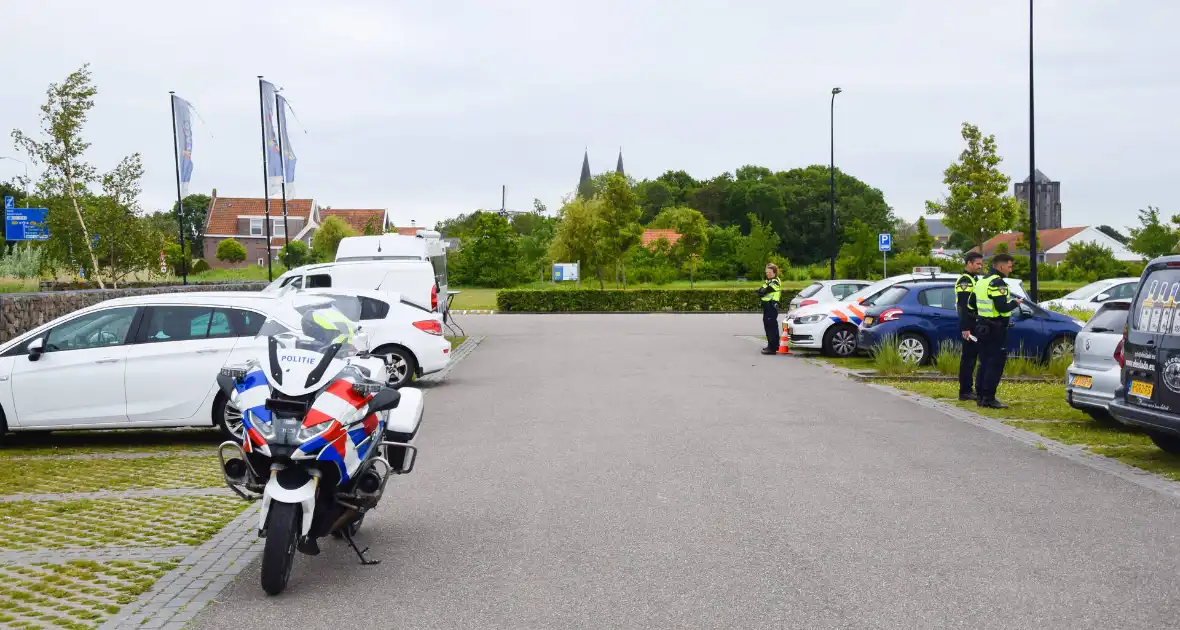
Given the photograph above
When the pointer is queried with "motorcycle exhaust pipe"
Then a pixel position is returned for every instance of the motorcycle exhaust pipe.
(235, 469)
(348, 516)
(369, 483)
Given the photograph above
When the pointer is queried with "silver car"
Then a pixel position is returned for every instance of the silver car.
(1096, 372)
(824, 291)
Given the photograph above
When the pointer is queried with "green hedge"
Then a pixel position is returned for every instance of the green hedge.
(1051, 294)
(637, 301)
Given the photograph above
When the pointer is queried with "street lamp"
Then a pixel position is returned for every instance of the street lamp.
(832, 182)
(1032, 168)
(4, 157)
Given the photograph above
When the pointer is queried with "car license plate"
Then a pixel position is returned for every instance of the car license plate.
(868, 321)
(1139, 388)
(1083, 381)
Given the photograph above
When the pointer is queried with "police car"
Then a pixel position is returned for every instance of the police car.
(833, 326)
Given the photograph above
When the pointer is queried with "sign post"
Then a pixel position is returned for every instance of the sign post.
(885, 244)
(24, 224)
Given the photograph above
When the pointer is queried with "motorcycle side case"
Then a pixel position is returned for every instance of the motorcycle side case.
(404, 419)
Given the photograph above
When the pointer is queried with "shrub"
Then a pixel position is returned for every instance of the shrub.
(636, 301)
(888, 361)
(295, 254)
(230, 251)
(200, 266)
(950, 356)
(328, 236)
(23, 262)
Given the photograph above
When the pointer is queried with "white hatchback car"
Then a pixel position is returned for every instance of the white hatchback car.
(1095, 294)
(833, 327)
(142, 361)
(824, 291)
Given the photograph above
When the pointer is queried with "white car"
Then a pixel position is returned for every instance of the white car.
(1095, 294)
(824, 291)
(407, 335)
(833, 327)
(142, 361)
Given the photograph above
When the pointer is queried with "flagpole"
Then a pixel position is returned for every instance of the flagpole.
(283, 157)
(265, 177)
(179, 199)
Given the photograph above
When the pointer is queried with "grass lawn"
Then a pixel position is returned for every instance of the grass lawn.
(161, 441)
(1027, 401)
(456, 341)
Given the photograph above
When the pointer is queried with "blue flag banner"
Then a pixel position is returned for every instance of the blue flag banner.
(288, 151)
(274, 161)
(184, 141)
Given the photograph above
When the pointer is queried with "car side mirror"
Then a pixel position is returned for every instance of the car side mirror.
(1102, 297)
(36, 348)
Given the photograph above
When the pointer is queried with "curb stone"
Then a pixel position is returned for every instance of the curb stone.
(179, 596)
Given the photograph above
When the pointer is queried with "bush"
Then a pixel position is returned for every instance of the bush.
(295, 254)
(23, 262)
(950, 356)
(637, 301)
(172, 256)
(200, 266)
(888, 361)
(230, 251)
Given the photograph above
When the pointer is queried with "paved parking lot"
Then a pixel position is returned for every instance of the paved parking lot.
(656, 471)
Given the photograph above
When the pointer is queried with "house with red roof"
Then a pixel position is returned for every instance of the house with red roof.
(1052, 245)
(651, 237)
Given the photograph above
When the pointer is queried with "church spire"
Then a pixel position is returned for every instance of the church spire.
(619, 167)
(585, 186)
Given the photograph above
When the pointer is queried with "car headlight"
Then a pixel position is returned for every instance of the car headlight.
(811, 319)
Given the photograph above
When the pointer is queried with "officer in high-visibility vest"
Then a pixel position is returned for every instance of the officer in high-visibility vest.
(964, 294)
(993, 307)
(770, 291)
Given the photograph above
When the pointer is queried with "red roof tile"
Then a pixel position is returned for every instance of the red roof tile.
(1046, 239)
(651, 236)
(408, 231)
(357, 219)
(224, 213)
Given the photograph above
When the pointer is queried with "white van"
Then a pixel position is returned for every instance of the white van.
(425, 245)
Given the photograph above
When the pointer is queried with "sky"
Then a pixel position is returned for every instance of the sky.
(427, 108)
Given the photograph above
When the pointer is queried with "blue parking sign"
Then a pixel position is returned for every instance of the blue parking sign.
(9, 202)
(885, 242)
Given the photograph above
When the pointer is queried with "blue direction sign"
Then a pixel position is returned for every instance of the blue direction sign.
(25, 224)
(885, 242)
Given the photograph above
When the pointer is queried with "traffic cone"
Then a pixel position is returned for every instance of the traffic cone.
(784, 342)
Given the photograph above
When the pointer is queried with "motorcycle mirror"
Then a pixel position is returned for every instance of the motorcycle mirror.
(36, 348)
(387, 399)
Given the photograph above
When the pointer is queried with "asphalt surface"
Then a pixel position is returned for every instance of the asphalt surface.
(655, 471)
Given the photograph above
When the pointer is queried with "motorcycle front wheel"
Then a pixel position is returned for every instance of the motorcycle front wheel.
(278, 555)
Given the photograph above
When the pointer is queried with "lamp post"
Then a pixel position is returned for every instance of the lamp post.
(4, 157)
(832, 180)
(1032, 168)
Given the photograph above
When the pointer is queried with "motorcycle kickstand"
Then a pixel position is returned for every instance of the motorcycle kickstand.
(359, 553)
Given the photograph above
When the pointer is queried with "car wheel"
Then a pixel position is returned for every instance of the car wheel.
(1167, 443)
(840, 341)
(1059, 348)
(227, 418)
(401, 364)
(913, 349)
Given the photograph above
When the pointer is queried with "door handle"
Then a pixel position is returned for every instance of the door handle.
(206, 350)
(107, 360)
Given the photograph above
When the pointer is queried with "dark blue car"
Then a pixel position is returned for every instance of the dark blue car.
(919, 317)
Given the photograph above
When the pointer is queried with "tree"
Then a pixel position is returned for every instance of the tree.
(539, 207)
(231, 251)
(958, 240)
(1024, 226)
(294, 254)
(172, 256)
(754, 250)
(858, 258)
(1113, 233)
(370, 229)
(490, 256)
(621, 229)
(692, 227)
(196, 212)
(534, 243)
(327, 238)
(1152, 239)
(923, 242)
(979, 205)
(124, 242)
(1090, 261)
(577, 233)
(62, 118)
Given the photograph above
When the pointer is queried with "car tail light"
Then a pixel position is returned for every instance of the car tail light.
(891, 315)
(429, 326)
(808, 303)
(434, 298)
(1118, 353)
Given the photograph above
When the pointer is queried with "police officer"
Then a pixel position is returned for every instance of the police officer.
(964, 298)
(770, 292)
(993, 306)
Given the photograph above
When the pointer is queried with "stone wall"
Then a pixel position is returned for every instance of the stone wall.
(22, 312)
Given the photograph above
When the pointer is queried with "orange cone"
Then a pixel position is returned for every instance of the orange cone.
(784, 342)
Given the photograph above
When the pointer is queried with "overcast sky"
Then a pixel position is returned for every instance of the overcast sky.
(426, 108)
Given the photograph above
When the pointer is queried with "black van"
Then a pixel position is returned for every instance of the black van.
(1149, 397)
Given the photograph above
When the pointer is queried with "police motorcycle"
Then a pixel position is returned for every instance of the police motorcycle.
(322, 433)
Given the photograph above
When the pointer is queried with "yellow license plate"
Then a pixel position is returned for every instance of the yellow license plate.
(868, 321)
(1139, 388)
(1083, 381)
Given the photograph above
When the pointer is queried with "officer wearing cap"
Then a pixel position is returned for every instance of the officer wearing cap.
(993, 307)
(965, 302)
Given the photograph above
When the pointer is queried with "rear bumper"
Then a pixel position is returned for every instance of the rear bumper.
(1147, 419)
(436, 357)
(1100, 393)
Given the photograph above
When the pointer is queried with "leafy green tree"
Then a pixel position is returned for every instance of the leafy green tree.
(1090, 262)
(692, 227)
(720, 260)
(231, 251)
(294, 254)
(371, 228)
(172, 256)
(328, 236)
(1152, 238)
(490, 256)
(978, 205)
(923, 241)
(653, 196)
(621, 229)
(1024, 226)
(860, 256)
(1113, 233)
(534, 244)
(577, 238)
(196, 212)
(66, 173)
(754, 250)
(958, 240)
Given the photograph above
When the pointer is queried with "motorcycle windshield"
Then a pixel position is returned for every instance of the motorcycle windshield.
(306, 333)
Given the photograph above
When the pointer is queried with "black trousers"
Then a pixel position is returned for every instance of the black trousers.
(993, 336)
(967, 368)
(770, 323)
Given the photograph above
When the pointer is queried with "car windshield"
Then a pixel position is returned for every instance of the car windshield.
(888, 297)
(1088, 291)
(872, 289)
(324, 324)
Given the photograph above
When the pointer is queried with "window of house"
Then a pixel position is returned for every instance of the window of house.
(256, 226)
(278, 228)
